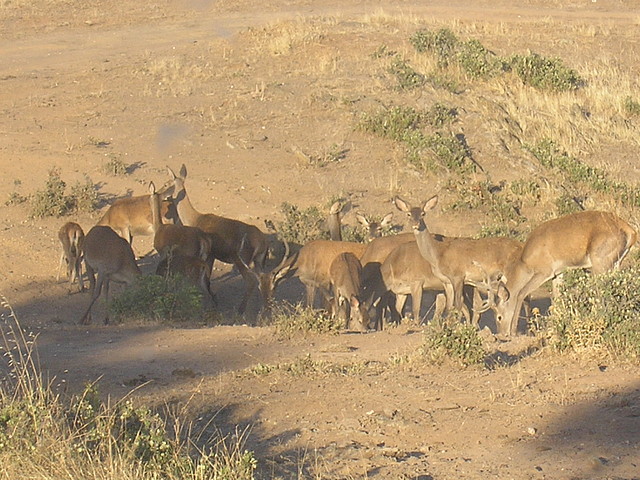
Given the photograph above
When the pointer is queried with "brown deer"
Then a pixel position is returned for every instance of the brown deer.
(590, 239)
(374, 229)
(311, 264)
(131, 216)
(345, 273)
(111, 257)
(227, 235)
(459, 261)
(334, 222)
(184, 250)
(71, 237)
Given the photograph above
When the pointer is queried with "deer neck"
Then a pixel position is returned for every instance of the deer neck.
(188, 215)
(335, 232)
(155, 202)
(427, 245)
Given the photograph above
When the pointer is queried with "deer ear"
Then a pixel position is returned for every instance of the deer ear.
(401, 205)
(183, 171)
(386, 221)
(336, 208)
(503, 292)
(171, 174)
(362, 219)
(430, 204)
(152, 188)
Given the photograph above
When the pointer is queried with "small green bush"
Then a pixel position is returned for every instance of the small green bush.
(545, 73)
(291, 320)
(440, 115)
(443, 43)
(302, 225)
(631, 106)
(114, 166)
(449, 338)
(598, 311)
(52, 201)
(408, 78)
(160, 298)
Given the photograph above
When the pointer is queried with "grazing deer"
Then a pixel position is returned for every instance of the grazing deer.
(193, 268)
(227, 235)
(131, 216)
(334, 222)
(72, 238)
(374, 229)
(111, 257)
(177, 239)
(589, 239)
(345, 273)
(456, 261)
(311, 264)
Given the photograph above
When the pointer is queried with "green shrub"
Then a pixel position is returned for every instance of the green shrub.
(407, 77)
(631, 106)
(545, 73)
(114, 166)
(443, 43)
(45, 436)
(161, 298)
(291, 320)
(52, 201)
(449, 338)
(302, 225)
(598, 311)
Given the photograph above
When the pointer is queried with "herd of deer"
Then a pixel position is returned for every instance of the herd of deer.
(355, 279)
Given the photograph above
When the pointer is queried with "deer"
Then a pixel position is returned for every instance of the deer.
(184, 250)
(459, 261)
(345, 273)
(111, 257)
(227, 235)
(311, 264)
(596, 240)
(193, 268)
(334, 222)
(374, 229)
(131, 216)
(71, 237)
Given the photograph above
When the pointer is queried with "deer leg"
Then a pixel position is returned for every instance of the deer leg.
(62, 259)
(106, 296)
(440, 305)
(97, 289)
(252, 284)
(416, 301)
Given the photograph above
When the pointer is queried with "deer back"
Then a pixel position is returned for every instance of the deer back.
(108, 253)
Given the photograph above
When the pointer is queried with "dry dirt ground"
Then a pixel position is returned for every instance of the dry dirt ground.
(207, 84)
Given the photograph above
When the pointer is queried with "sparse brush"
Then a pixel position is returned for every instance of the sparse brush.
(408, 78)
(52, 201)
(545, 73)
(631, 106)
(291, 320)
(598, 312)
(45, 436)
(114, 166)
(450, 338)
(302, 225)
(170, 298)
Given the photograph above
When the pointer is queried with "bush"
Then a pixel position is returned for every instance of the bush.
(291, 320)
(450, 338)
(45, 436)
(53, 202)
(302, 225)
(407, 77)
(598, 311)
(545, 73)
(162, 298)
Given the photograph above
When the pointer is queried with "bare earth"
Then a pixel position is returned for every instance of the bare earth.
(206, 84)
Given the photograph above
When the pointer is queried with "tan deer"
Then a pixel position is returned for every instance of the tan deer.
(193, 268)
(345, 273)
(374, 229)
(71, 237)
(589, 239)
(459, 261)
(334, 222)
(311, 264)
(111, 257)
(177, 239)
(131, 216)
(227, 235)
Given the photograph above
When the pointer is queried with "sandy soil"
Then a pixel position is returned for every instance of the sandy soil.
(204, 83)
